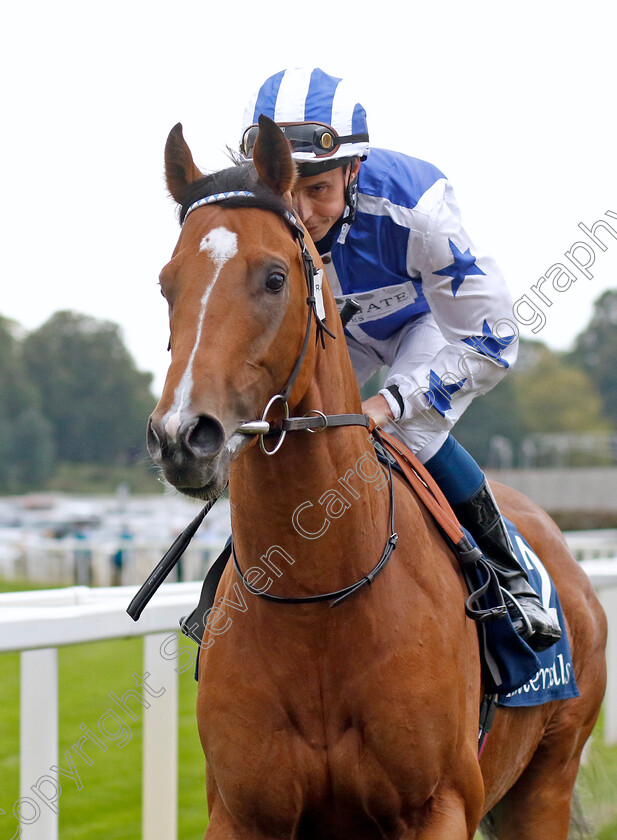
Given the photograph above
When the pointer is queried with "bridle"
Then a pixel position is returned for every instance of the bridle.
(315, 421)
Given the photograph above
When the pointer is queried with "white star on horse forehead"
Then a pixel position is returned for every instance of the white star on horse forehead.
(220, 244)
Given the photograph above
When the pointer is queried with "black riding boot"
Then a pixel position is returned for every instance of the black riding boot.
(481, 516)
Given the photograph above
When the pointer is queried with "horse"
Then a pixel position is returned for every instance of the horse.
(361, 719)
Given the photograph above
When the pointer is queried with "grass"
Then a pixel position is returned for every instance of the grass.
(597, 786)
(97, 479)
(108, 807)
(20, 585)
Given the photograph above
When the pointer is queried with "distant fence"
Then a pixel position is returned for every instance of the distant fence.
(103, 541)
(554, 450)
(99, 562)
(571, 489)
(591, 545)
(117, 562)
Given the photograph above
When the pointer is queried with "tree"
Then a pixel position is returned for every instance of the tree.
(26, 442)
(93, 395)
(494, 415)
(555, 396)
(595, 351)
(544, 393)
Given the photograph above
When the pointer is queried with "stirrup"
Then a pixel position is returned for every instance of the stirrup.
(490, 613)
(525, 631)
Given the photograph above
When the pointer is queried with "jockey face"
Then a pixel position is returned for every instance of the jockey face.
(319, 200)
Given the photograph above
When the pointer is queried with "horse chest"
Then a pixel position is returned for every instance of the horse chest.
(284, 779)
(286, 755)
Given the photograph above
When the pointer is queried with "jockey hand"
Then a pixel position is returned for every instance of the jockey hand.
(378, 409)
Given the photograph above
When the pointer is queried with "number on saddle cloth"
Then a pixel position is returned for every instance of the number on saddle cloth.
(554, 679)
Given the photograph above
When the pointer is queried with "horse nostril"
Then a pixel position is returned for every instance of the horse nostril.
(153, 442)
(204, 437)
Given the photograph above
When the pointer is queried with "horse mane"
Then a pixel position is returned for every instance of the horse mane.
(241, 176)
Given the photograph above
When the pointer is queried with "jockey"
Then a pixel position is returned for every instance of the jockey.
(434, 308)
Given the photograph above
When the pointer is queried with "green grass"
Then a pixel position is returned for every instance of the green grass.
(97, 479)
(597, 786)
(108, 807)
(20, 585)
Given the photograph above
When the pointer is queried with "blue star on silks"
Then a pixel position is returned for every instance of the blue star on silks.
(490, 345)
(464, 264)
(439, 394)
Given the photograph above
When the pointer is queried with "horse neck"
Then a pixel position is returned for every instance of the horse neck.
(321, 498)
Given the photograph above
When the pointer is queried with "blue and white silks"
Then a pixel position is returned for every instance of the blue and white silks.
(407, 259)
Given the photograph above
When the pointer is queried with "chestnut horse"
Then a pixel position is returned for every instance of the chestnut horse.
(359, 721)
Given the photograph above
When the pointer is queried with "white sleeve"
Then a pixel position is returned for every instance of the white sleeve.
(470, 303)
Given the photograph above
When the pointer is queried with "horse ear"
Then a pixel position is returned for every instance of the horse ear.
(180, 170)
(272, 157)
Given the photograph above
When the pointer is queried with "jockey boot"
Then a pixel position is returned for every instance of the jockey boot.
(481, 516)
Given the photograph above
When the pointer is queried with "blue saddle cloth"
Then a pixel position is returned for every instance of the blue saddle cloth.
(520, 676)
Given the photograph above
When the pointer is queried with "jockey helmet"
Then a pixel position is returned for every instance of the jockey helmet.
(319, 115)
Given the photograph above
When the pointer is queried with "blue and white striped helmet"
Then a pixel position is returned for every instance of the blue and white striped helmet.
(320, 115)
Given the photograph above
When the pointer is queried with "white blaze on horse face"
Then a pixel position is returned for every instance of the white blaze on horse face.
(221, 245)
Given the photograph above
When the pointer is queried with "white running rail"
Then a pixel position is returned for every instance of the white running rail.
(37, 624)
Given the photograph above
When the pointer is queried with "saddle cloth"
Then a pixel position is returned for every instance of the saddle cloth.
(554, 678)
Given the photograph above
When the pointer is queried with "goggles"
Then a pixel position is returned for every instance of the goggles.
(309, 138)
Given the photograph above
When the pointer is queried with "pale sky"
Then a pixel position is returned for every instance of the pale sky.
(514, 102)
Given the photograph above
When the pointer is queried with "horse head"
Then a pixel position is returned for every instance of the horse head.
(236, 292)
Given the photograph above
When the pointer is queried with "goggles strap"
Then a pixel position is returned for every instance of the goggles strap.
(361, 137)
(338, 140)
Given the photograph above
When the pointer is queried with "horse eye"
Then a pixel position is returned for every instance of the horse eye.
(275, 281)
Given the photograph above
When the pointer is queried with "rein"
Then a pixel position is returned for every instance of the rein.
(339, 595)
(315, 421)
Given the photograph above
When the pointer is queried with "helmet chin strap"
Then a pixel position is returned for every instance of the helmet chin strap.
(351, 195)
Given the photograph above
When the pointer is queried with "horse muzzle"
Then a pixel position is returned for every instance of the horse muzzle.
(191, 454)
